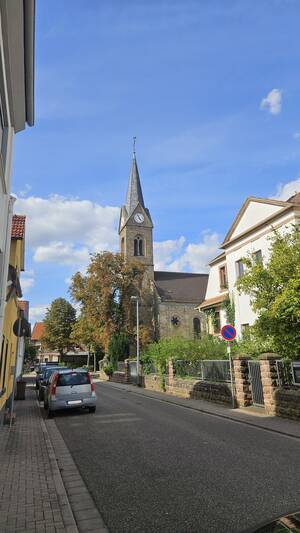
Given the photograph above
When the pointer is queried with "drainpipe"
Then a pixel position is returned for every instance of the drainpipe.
(10, 200)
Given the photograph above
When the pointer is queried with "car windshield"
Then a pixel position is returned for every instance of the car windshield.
(73, 378)
(49, 371)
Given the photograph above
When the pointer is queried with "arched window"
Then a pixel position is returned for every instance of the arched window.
(197, 328)
(122, 246)
(138, 246)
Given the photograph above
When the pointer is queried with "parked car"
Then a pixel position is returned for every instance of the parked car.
(69, 389)
(45, 376)
(39, 371)
(284, 524)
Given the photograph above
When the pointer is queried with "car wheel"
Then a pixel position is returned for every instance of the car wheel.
(92, 409)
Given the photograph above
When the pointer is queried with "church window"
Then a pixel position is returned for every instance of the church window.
(138, 246)
(196, 327)
(122, 246)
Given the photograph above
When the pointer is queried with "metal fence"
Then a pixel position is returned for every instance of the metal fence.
(209, 370)
(285, 374)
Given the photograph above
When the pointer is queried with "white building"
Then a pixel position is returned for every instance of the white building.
(249, 234)
(17, 20)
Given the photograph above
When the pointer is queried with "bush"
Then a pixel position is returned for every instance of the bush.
(108, 369)
(118, 348)
(159, 353)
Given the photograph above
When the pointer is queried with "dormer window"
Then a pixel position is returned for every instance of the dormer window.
(138, 247)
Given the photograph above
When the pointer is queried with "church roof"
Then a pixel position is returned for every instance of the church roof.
(134, 192)
(181, 287)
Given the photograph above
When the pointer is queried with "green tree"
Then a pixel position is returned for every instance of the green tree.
(104, 294)
(58, 325)
(118, 348)
(30, 352)
(274, 289)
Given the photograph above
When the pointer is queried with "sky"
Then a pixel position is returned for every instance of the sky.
(210, 89)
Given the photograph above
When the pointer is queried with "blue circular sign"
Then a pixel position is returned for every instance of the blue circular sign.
(228, 332)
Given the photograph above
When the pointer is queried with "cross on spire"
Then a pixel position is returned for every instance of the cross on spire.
(134, 143)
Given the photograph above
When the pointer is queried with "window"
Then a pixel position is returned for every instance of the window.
(138, 246)
(244, 328)
(217, 322)
(257, 256)
(196, 328)
(5, 364)
(122, 246)
(240, 269)
(223, 277)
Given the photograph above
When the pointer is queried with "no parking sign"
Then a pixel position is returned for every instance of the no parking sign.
(228, 332)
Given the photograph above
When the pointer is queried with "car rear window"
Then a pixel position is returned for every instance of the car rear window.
(73, 378)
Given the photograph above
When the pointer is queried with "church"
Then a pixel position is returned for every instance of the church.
(176, 295)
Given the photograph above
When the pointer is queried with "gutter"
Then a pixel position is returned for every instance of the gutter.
(29, 59)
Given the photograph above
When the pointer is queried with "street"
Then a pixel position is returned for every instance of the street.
(156, 467)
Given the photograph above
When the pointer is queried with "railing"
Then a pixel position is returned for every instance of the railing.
(285, 374)
(121, 366)
(208, 370)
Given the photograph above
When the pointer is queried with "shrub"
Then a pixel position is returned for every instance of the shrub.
(118, 348)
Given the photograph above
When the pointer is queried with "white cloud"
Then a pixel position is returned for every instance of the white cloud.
(286, 190)
(272, 102)
(194, 257)
(296, 135)
(26, 190)
(37, 313)
(65, 230)
(27, 281)
(58, 252)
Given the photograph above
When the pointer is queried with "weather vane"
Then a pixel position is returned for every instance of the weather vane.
(134, 141)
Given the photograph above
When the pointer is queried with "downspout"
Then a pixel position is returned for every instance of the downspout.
(5, 263)
(29, 45)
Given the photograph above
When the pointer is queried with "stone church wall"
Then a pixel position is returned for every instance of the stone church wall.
(185, 313)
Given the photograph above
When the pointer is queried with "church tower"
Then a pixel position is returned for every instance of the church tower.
(136, 227)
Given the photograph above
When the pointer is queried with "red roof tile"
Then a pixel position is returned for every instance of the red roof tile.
(18, 227)
(37, 332)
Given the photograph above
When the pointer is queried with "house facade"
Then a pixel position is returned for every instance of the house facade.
(249, 234)
(10, 345)
(17, 20)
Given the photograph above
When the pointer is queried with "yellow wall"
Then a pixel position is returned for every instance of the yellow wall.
(8, 353)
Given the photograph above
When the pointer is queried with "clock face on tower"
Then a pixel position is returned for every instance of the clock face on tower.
(139, 218)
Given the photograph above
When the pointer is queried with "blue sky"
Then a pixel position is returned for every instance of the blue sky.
(210, 89)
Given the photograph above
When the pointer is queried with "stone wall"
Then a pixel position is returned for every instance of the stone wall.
(287, 402)
(152, 381)
(199, 390)
(184, 312)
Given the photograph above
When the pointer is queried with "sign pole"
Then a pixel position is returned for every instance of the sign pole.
(231, 373)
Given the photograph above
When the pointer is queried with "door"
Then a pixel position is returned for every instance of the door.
(256, 383)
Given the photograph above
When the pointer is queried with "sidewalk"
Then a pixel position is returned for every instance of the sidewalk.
(255, 417)
(33, 495)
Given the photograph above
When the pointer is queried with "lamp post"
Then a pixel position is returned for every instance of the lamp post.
(136, 299)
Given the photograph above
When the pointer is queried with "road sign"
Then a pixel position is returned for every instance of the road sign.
(228, 332)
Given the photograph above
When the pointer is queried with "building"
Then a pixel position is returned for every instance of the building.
(17, 20)
(249, 233)
(10, 341)
(173, 295)
(36, 340)
(23, 313)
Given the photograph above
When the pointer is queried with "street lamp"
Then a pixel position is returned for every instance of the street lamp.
(136, 299)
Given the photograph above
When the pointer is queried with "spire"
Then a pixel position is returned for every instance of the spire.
(134, 192)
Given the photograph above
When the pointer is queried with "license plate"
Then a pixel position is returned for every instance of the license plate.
(74, 402)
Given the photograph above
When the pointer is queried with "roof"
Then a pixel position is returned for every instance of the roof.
(295, 199)
(37, 332)
(134, 192)
(180, 286)
(18, 227)
(218, 259)
(211, 302)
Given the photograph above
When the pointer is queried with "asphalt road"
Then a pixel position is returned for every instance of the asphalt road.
(156, 467)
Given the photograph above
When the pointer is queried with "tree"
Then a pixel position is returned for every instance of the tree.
(274, 290)
(30, 352)
(104, 294)
(58, 325)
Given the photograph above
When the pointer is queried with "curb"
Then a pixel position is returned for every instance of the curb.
(206, 411)
(87, 516)
(66, 510)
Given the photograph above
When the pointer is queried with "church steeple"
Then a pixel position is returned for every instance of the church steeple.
(134, 191)
(136, 227)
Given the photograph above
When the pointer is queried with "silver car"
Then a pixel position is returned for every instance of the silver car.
(68, 389)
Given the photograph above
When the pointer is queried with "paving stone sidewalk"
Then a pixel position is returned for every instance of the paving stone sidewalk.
(33, 496)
